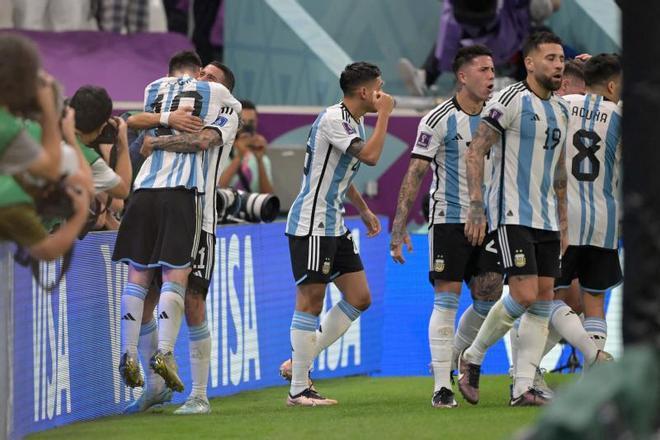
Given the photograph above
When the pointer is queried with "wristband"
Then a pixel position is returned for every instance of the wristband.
(165, 118)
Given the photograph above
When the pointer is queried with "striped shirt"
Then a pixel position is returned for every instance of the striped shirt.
(533, 134)
(164, 169)
(593, 161)
(327, 174)
(443, 137)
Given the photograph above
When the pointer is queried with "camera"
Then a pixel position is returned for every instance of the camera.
(107, 136)
(236, 205)
(248, 128)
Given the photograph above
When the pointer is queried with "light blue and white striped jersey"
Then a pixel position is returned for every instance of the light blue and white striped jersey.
(443, 136)
(164, 169)
(533, 134)
(593, 161)
(327, 174)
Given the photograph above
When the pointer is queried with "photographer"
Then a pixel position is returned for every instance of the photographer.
(250, 167)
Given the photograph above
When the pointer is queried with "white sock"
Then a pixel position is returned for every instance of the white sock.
(468, 327)
(441, 337)
(132, 305)
(597, 330)
(334, 325)
(499, 320)
(170, 313)
(303, 347)
(513, 339)
(200, 357)
(553, 339)
(568, 325)
(147, 347)
(532, 334)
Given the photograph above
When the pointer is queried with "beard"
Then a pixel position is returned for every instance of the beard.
(548, 83)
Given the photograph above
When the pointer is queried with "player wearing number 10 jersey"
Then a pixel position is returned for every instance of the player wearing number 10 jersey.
(593, 155)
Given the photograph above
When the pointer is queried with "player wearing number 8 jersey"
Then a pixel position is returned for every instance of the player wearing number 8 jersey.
(593, 156)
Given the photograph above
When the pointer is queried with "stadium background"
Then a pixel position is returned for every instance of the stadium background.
(285, 53)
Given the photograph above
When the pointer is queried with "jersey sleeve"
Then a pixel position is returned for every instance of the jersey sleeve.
(502, 109)
(104, 177)
(339, 133)
(227, 125)
(427, 142)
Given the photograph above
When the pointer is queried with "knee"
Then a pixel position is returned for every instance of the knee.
(486, 287)
(525, 299)
(361, 300)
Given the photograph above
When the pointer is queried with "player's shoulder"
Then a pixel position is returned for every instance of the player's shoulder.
(439, 113)
(158, 82)
(336, 112)
(510, 93)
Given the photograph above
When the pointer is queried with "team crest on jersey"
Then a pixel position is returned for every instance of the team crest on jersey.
(221, 121)
(326, 267)
(439, 265)
(519, 259)
(423, 139)
(349, 129)
(495, 114)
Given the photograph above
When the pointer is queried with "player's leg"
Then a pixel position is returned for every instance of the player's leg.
(198, 331)
(523, 289)
(311, 261)
(349, 277)
(132, 305)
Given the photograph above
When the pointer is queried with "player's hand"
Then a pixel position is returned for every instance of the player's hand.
(383, 102)
(371, 221)
(183, 120)
(396, 247)
(147, 146)
(583, 57)
(475, 226)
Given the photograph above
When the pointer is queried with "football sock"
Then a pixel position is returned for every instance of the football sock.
(597, 330)
(170, 313)
(468, 327)
(303, 347)
(513, 340)
(200, 357)
(132, 305)
(553, 339)
(334, 324)
(568, 325)
(147, 347)
(499, 320)
(532, 334)
(441, 337)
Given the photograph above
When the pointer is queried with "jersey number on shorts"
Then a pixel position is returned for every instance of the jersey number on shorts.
(158, 106)
(587, 143)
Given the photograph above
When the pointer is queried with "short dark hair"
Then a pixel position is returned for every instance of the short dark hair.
(601, 68)
(248, 105)
(574, 68)
(186, 59)
(93, 107)
(467, 54)
(18, 72)
(230, 79)
(536, 39)
(356, 74)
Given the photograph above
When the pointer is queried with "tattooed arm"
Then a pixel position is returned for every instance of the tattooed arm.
(560, 184)
(182, 143)
(475, 226)
(407, 195)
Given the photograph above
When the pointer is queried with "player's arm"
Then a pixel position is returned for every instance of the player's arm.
(475, 226)
(369, 152)
(181, 119)
(368, 217)
(407, 195)
(182, 143)
(560, 184)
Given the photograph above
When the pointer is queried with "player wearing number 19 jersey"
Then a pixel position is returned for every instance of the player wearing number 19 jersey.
(593, 155)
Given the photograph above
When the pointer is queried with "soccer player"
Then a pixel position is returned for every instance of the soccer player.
(572, 82)
(322, 249)
(164, 225)
(443, 137)
(527, 124)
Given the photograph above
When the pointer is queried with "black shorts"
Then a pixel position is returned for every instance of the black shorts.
(317, 259)
(529, 251)
(202, 267)
(161, 227)
(453, 258)
(598, 269)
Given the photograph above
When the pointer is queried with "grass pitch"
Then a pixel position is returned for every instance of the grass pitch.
(378, 408)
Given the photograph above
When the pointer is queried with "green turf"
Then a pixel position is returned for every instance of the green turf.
(379, 408)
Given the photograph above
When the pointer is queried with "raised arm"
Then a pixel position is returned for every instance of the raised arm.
(407, 195)
(369, 152)
(475, 226)
(182, 143)
(560, 184)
